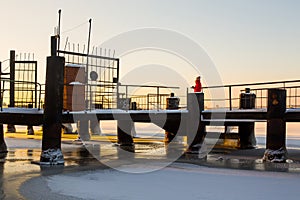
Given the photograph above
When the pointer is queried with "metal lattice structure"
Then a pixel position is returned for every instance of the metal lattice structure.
(19, 88)
(101, 76)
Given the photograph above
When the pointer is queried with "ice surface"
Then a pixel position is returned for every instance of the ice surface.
(179, 181)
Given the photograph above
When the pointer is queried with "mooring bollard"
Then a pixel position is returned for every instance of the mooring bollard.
(196, 128)
(246, 130)
(276, 126)
(124, 130)
(247, 99)
(171, 104)
(51, 142)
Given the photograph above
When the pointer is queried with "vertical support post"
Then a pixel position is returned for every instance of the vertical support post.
(10, 127)
(276, 126)
(3, 147)
(247, 135)
(196, 128)
(171, 104)
(35, 86)
(83, 129)
(51, 142)
(124, 132)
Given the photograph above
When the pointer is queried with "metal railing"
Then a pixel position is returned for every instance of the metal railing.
(29, 96)
(101, 74)
(154, 97)
(232, 94)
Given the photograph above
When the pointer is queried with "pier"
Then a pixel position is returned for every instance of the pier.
(71, 97)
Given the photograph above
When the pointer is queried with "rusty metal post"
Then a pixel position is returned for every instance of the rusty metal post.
(196, 128)
(276, 126)
(3, 147)
(51, 142)
(171, 104)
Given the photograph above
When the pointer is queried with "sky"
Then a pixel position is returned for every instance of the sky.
(248, 41)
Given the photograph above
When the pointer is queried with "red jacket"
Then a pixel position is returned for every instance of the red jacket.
(198, 86)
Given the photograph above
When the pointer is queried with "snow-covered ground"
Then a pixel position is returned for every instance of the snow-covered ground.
(177, 182)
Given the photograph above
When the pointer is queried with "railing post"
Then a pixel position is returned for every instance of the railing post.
(157, 98)
(230, 99)
(36, 85)
(118, 84)
(126, 97)
(12, 79)
(10, 127)
(276, 126)
(148, 98)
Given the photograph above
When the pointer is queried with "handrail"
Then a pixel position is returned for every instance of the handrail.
(229, 99)
(249, 84)
(156, 95)
(20, 82)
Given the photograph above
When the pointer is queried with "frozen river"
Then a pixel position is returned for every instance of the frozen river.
(176, 182)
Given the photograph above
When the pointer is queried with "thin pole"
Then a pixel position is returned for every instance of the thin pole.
(87, 59)
(157, 98)
(58, 31)
(126, 98)
(230, 100)
(118, 84)
(12, 79)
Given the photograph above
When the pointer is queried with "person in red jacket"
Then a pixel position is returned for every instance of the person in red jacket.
(198, 85)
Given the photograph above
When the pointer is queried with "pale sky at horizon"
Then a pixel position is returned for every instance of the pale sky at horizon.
(249, 41)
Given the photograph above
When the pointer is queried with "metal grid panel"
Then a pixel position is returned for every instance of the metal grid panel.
(26, 84)
(101, 76)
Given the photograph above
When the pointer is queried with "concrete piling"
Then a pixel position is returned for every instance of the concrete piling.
(276, 126)
(171, 104)
(3, 147)
(196, 128)
(83, 129)
(53, 103)
(247, 135)
(124, 133)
